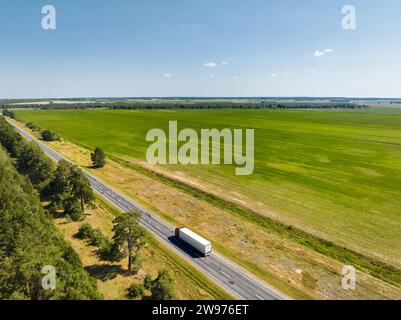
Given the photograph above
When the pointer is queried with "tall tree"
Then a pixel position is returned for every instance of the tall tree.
(80, 188)
(10, 139)
(59, 187)
(33, 163)
(129, 236)
(70, 189)
(98, 158)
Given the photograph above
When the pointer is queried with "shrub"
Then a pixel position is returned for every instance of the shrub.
(110, 251)
(147, 282)
(98, 239)
(135, 291)
(48, 135)
(77, 215)
(163, 287)
(32, 126)
(74, 211)
(85, 231)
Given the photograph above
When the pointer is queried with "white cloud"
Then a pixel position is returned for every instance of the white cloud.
(318, 53)
(212, 75)
(236, 78)
(224, 63)
(273, 75)
(167, 75)
(210, 64)
(286, 72)
(311, 70)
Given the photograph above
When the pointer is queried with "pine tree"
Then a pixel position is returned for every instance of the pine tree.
(129, 236)
(80, 188)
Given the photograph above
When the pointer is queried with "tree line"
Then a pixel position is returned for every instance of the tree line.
(67, 189)
(207, 104)
(8, 113)
(29, 241)
(236, 105)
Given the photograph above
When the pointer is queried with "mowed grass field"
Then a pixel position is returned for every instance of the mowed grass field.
(336, 174)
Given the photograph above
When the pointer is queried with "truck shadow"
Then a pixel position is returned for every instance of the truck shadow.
(189, 250)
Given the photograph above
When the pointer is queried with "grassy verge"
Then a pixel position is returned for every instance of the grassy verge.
(366, 264)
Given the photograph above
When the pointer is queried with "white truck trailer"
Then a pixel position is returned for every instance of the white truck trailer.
(194, 240)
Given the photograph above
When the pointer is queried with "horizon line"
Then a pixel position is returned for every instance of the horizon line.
(204, 97)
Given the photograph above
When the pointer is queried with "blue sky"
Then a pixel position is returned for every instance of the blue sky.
(199, 48)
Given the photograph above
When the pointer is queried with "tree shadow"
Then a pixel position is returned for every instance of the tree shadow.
(91, 167)
(55, 213)
(105, 272)
(58, 215)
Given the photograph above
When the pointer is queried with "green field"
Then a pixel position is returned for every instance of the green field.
(333, 173)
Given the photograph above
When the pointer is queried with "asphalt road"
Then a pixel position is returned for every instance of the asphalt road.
(227, 274)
